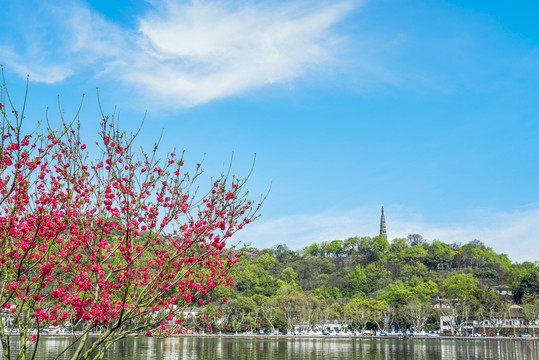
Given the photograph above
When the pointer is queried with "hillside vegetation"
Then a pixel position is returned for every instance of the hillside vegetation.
(370, 283)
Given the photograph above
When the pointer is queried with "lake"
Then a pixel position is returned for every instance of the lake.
(187, 348)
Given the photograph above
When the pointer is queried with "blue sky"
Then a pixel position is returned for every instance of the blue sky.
(428, 108)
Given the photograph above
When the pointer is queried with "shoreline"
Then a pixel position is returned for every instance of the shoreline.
(351, 337)
(316, 337)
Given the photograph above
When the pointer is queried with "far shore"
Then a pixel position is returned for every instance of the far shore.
(304, 337)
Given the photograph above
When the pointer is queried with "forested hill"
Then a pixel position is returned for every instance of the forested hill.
(332, 276)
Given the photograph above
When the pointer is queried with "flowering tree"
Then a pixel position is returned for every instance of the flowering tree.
(116, 239)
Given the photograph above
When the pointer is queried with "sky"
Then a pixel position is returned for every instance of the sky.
(428, 108)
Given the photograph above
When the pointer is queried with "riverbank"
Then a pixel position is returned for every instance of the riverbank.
(305, 337)
(374, 337)
(216, 347)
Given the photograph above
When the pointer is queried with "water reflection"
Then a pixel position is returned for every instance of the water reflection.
(189, 348)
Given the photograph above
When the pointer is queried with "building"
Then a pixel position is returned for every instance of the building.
(503, 290)
(383, 232)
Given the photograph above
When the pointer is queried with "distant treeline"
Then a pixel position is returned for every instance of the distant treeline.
(370, 283)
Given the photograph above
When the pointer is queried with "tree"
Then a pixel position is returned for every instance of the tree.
(309, 310)
(254, 279)
(377, 277)
(459, 286)
(531, 310)
(266, 262)
(328, 312)
(384, 317)
(372, 249)
(281, 252)
(528, 286)
(291, 303)
(115, 238)
(351, 245)
(333, 248)
(359, 280)
(418, 313)
(288, 275)
(313, 250)
(439, 255)
(361, 311)
(358, 312)
(416, 240)
(242, 311)
(269, 310)
(396, 294)
(412, 254)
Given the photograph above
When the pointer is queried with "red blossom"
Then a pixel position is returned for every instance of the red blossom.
(105, 241)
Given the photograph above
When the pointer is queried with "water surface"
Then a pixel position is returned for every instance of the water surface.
(206, 348)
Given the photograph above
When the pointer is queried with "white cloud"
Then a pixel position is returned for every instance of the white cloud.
(185, 52)
(513, 233)
(48, 74)
(57, 40)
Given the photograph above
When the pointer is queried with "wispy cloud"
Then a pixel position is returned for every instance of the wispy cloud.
(56, 40)
(185, 52)
(46, 73)
(514, 233)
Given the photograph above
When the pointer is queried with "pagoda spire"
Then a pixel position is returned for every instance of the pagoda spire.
(383, 232)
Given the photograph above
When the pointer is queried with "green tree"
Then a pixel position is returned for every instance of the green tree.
(458, 286)
(373, 249)
(412, 254)
(360, 282)
(396, 294)
(528, 286)
(414, 270)
(377, 277)
(266, 261)
(333, 248)
(416, 240)
(291, 303)
(439, 255)
(424, 292)
(254, 279)
(288, 275)
(417, 314)
(360, 311)
(313, 249)
(327, 292)
(489, 306)
(352, 246)
(530, 306)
